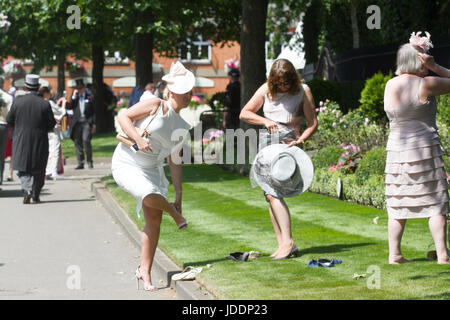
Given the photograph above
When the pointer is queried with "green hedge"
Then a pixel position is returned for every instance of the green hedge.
(372, 162)
(327, 156)
(371, 193)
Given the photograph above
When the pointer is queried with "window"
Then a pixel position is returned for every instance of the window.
(198, 52)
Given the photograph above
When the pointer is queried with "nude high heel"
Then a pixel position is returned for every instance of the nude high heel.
(138, 276)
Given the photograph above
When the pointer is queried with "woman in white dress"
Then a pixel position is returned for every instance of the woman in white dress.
(54, 137)
(285, 100)
(141, 173)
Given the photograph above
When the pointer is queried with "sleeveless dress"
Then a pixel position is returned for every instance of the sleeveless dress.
(142, 173)
(416, 183)
(282, 109)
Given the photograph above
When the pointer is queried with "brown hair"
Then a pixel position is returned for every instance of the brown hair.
(283, 69)
(42, 91)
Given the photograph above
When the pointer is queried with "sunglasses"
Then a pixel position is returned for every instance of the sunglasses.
(284, 83)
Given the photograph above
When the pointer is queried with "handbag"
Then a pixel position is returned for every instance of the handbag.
(123, 138)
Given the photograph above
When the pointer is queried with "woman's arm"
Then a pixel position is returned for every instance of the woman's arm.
(248, 113)
(434, 86)
(429, 63)
(176, 174)
(311, 118)
(137, 112)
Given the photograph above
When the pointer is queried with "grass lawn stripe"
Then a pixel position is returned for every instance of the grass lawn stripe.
(228, 223)
(339, 215)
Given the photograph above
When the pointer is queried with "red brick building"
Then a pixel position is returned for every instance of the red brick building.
(207, 62)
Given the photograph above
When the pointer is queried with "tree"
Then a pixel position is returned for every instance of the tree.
(253, 37)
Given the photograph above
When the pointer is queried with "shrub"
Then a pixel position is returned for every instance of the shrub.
(372, 162)
(372, 97)
(219, 97)
(327, 156)
(371, 193)
(443, 109)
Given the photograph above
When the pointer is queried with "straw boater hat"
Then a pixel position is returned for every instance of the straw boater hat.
(282, 171)
(179, 80)
(32, 81)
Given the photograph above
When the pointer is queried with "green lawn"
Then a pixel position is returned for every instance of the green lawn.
(225, 215)
(103, 145)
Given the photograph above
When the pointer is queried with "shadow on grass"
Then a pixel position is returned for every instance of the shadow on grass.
(442, 296)
(203, 263)
(333, 248)
(435, 275)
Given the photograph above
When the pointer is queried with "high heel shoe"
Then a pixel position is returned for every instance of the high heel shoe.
(294, 252)
(138, 276)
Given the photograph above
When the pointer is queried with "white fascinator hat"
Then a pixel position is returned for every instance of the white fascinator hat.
(282, 171)
(179, 79)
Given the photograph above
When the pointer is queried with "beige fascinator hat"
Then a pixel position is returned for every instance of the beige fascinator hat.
(282, 171)
(179, 80)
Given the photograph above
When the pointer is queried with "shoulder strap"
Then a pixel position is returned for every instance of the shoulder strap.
(420, 87)
(154, 115)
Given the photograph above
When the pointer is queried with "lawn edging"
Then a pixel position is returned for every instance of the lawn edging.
(186, 290)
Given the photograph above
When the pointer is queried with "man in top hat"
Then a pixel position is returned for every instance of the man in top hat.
(232, 101)
(82, 123)
(32, 118)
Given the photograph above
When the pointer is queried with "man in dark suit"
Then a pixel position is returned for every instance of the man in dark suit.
(82, 123)
(32, 118)
(232, 101)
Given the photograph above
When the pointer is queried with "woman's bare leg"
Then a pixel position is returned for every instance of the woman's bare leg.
(282, 216)
(395, 233)
(149, 242)
(437, 226)
(277, 230)
(157, 201)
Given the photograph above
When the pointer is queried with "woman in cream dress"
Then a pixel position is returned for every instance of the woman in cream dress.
(416, 184)
(141, 173)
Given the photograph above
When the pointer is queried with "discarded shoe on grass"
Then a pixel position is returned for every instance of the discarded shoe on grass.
(254, 254)
(188, 273)
(323, 263)
(239, 256)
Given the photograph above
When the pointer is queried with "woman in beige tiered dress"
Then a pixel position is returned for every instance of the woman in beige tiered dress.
(416, 184)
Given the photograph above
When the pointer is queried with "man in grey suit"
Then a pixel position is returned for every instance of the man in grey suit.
(82, 123)
(32, 118)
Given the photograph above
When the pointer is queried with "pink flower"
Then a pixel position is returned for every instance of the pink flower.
(333, 168)
(321, 103)
(340, 163)
(334, 124)
(195, 99)
(215, 102)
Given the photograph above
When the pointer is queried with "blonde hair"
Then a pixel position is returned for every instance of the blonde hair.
(408, 60)
(283, 69)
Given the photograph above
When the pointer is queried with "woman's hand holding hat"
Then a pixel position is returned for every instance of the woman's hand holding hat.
(297, 143)
(271, 126)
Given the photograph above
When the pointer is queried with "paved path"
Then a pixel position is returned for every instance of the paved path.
(48, 249)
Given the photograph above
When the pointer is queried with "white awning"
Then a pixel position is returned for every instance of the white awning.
(201, 82)
(71, 83)
(130, 82)
(125, 82)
